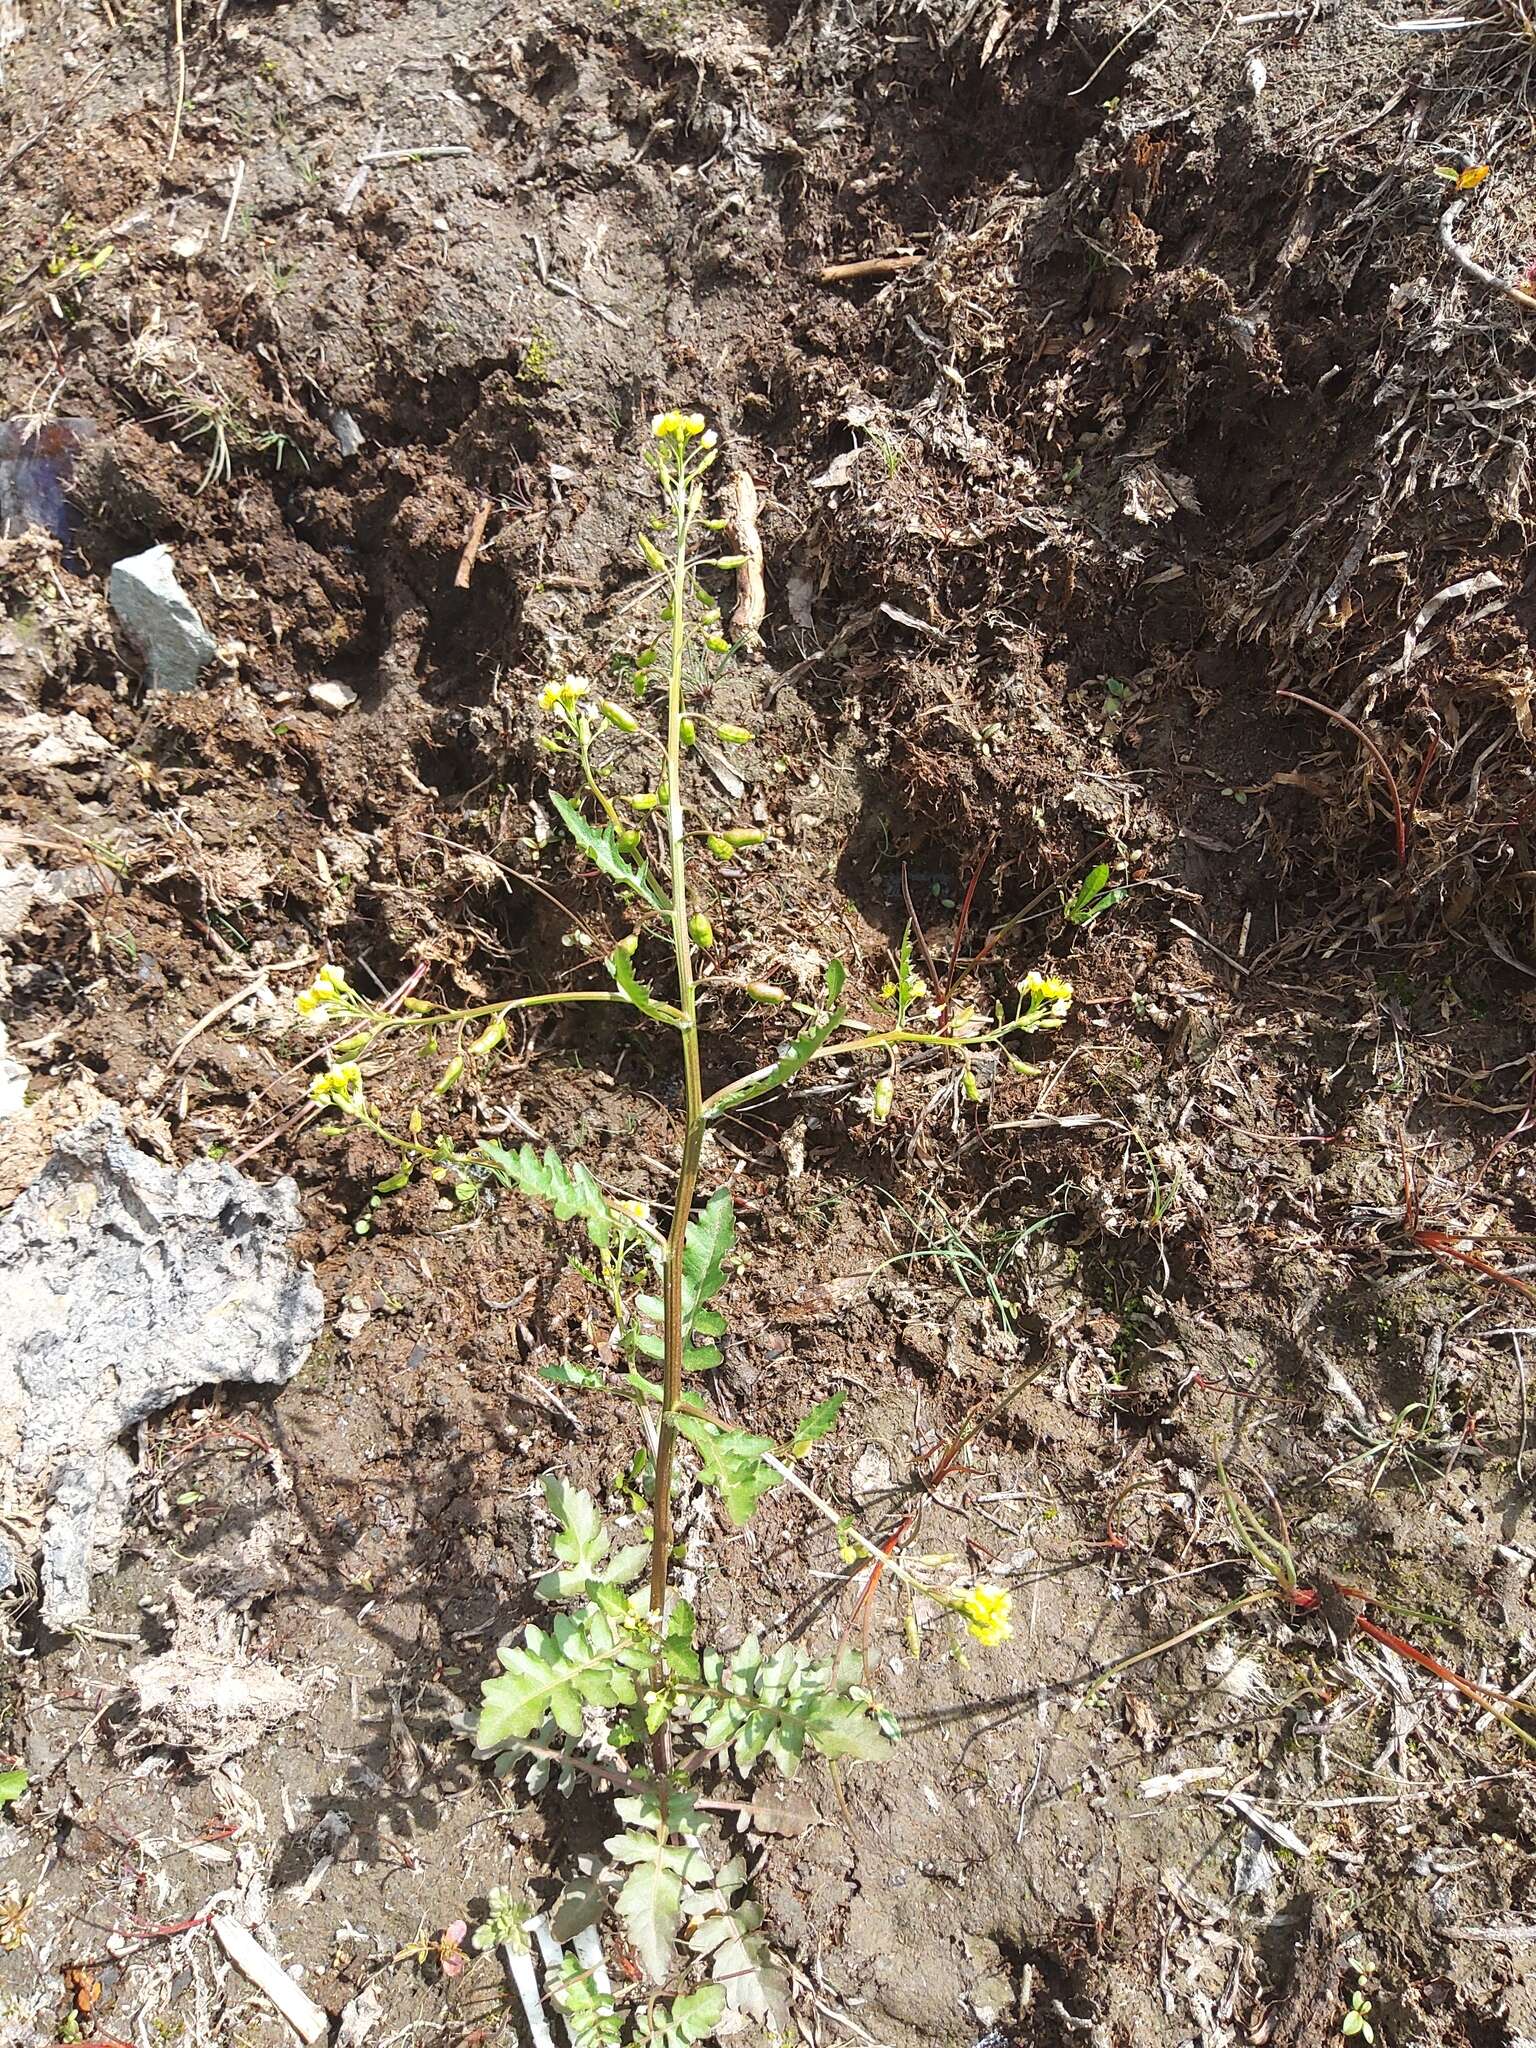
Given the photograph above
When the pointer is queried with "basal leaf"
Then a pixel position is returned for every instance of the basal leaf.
(651, 1902)
(601, 848)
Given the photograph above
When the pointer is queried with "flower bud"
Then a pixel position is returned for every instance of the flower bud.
(721, 848)
(717, 643)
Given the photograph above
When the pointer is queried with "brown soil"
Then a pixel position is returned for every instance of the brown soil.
(1185, 405)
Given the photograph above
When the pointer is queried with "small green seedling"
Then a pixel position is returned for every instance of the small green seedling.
(1357, 2021)
(1092, 897)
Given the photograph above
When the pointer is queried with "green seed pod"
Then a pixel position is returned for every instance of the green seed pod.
(734, 735)
(645, 657)
(885, 1090)
(451, 1073)
(626, 841)
(687, 731)
(721, 848)
(647, 800)
(717, 645)
(490, 1037)
(765, 992)
(349, 1045)
(701, 931)
(417, 1007)
(729, 562)
(649, 549)
(617, 715)
(744, 835)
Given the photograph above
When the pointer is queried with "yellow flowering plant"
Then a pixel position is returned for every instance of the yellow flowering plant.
(622, 1665)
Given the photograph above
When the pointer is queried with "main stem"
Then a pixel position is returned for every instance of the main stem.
(673, 1334)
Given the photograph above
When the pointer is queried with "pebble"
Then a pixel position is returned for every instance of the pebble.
(330, 696)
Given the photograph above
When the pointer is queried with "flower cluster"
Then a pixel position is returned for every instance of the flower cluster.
(342, 1085)
(563, 696)
(988, 1612)
(1048, 990)
(327, 991)
(682, 426)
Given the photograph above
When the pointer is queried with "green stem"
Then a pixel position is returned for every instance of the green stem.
(584, 743)
(673, 1334)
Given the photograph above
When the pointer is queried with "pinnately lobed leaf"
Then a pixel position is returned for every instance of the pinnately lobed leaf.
(651, 1901)
(710, 1238)
(580, 1661)
(605, 855)
(568, 1190)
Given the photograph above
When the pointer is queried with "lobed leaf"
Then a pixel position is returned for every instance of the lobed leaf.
(621, 966)
(600, 846)
(569, 1190)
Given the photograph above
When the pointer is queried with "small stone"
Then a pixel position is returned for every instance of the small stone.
(332, 696)
(349, 435)
(160, 619)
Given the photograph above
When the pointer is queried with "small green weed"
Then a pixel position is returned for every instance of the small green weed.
(1092, 897)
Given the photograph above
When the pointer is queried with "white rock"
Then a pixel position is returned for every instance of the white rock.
(127, 1285)
(332, 696)
(160, 619)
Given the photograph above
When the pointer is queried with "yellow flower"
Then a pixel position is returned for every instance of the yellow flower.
(637, 1212)
(328, 988)
(342, 1085)
(988, 1611)
(562, 696)
(678, 426)
(1046, 988)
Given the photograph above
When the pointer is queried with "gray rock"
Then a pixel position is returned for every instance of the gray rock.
(349, 435)
(160, 619)
(128, 1284)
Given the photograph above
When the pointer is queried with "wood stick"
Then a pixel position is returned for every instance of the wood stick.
(751, 598)
(466, 567)
(264, 1971)
(868, 266)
